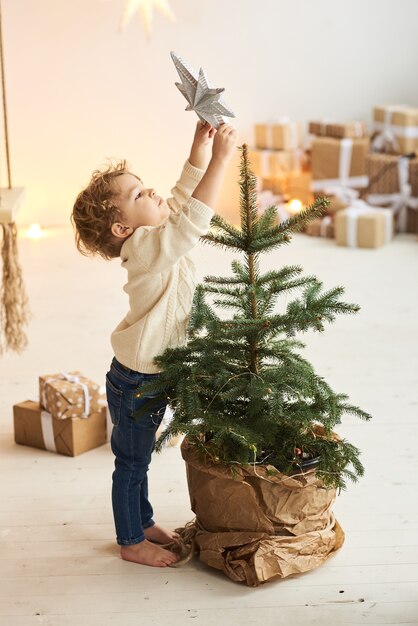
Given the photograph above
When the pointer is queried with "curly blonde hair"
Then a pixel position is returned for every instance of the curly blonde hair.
(94, 212)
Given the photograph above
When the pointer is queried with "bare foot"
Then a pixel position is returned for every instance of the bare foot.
(147, 553)
(160, 535)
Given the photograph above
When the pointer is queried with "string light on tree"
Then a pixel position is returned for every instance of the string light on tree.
(145, 9)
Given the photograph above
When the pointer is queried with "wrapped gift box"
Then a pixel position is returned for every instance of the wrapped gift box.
(363, 226)
(37, 428)
(283, 135)
(68, 395)
(348, 129)
(321, 227)
(276, 184)
(260, 162)
(339, 162)
(286, 135)
(383, 174)
(263, 138)
(397, 128)
(393, 181)
(338, 130)
(318, 128)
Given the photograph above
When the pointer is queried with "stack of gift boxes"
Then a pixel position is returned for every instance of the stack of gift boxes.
(392, 167)
(69, 418)
(369, 192)
(279, 160)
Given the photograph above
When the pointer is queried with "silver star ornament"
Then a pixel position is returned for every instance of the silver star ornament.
(202, 98)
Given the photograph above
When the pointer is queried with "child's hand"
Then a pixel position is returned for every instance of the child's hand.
(203, 134)
(198, 154)
(224, 143)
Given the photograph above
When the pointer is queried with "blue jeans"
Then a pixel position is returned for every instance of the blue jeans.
(132, 443)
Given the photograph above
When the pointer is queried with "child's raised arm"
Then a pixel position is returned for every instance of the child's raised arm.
(199, 153)
(224, 145)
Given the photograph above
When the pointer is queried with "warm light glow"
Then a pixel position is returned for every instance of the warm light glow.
(294, 206)
(145, 8)
(35, 231)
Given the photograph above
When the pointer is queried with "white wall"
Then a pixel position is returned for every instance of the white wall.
(79, 91)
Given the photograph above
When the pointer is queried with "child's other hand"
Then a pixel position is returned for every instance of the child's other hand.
(199, 154)
(224, 143)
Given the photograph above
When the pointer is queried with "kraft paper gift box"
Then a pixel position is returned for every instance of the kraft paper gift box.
(286, 135)
(282, 135)
(68, 395)
(348, 129)
(35, 427)
(318, 127)
(363, 226)
(276, 184)
(383, 174)
(339, 162)
(393, 181)
(338, 130)
(397, 128)
(260, 162)
(321, 227)
(263, 136)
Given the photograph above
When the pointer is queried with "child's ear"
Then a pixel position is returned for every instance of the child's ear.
(121, 231)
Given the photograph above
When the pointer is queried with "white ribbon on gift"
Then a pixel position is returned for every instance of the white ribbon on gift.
(399, 202)
(265, 169)
(344, 194)
(360, 208)
(388, 131)
(75, 379)
(344, 179)
(48, 431)
(325, 222)
(358, 129)
(293, 131)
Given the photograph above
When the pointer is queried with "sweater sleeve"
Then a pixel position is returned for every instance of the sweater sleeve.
(156, 248)
(184, 187)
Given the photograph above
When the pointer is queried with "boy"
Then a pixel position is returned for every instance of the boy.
(116, 215)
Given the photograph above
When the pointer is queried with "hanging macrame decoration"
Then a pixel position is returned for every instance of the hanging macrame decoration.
(14, 311)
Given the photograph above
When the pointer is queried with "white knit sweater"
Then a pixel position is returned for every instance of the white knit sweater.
(161, 278)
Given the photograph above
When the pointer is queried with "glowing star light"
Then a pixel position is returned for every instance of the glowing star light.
(202, 98)
(145, 8)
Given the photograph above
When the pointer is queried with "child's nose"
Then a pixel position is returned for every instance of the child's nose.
(152, 192)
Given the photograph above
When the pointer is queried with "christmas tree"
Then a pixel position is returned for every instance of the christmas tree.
(240, 389)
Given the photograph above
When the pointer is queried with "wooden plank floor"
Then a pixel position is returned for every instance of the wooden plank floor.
(59, 561)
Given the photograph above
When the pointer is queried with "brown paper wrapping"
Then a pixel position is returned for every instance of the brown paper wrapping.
(413, 177)
(318, 228)
(254, 526)
(65, 399)
(382, 170)
(371, 229)
(277, 184)
(317, 128)
(326, 157)
(338, 130)
(283, 136)
(263, 136)
(72, 436)
(406, 117)
(282, 162)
